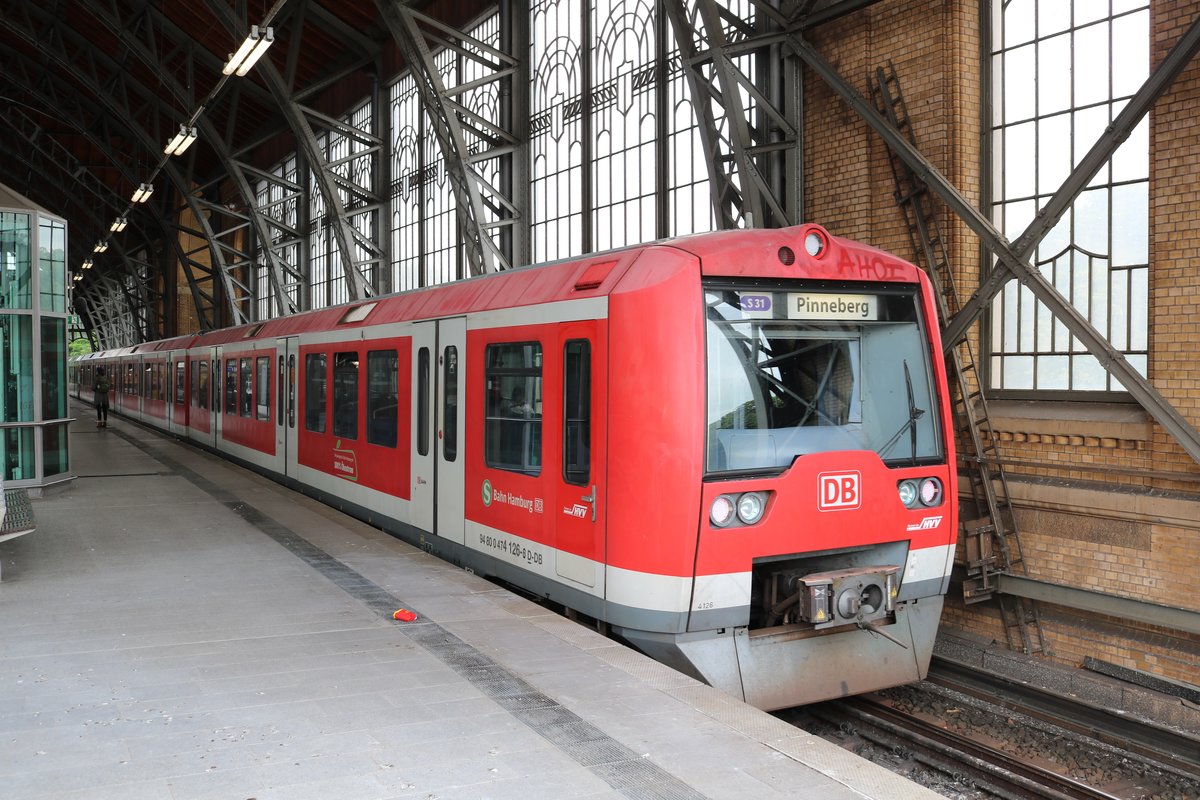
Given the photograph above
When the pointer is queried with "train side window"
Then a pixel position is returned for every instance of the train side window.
(202, 385)
(450, 403)
(577, 411)
(246, 395)
(279, 384)
(314, 392)
(382, 397)
(195, 398)
(262, 387)
(345, 395)
(231, 385)
(513, 407)
(180, 383)
(423, 401)
(291, 391)
(216, 386)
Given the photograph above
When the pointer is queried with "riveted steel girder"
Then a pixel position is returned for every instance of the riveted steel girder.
(1109, 357)
(119, 100)
(467, 139)
(751, 145)
(137, 36)
(359, 283)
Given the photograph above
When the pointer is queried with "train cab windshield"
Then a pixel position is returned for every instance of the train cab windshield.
(810, 370)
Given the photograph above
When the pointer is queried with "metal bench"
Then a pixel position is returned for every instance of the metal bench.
(18, 517)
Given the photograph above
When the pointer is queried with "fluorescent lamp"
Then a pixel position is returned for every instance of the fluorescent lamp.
(100, 247)
(118, 225)
(143, 193)
(250, 51)
(87, 263)
(181, 142)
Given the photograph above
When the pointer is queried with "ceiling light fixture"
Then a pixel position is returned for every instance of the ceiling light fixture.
(118, 225)
(182, 141)
(250, 51)
(87, 263)
(143, 193)
(100, 247)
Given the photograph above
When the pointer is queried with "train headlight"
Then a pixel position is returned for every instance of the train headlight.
(750, 507)
(931, 492)
(908, 493)
(814, 244)
(722, 511)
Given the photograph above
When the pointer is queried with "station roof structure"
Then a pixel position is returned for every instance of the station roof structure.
(92, 92)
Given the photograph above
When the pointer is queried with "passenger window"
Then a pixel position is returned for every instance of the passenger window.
(450, 404)
(201, 387)
(231, 385)
(382, 395)
(180, 383)
(345, 395)
(314, 392)
(423, 401)
(262, 387)
(247, 393)
(577, 412)
(513, 407)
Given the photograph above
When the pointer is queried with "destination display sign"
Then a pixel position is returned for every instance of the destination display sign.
(808, 305)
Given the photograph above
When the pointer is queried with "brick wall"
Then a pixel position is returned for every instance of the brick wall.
(1106, 499)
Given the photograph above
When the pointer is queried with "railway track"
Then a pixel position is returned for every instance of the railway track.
(969, 762)
(1165, 746)
(975, 735)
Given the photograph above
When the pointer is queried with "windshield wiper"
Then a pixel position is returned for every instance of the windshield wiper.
(910, 424)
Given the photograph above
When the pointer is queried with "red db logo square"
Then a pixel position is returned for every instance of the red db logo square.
(838, 491)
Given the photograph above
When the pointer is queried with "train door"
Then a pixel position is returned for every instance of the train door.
(421, 508)
(216, 378)
(287, 352)
(451, 415)
(438, 416)
(580, 480)
(177, 401)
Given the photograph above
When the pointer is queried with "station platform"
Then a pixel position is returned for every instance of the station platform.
(179, 627)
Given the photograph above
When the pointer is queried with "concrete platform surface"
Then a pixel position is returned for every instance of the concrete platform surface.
(178, 627)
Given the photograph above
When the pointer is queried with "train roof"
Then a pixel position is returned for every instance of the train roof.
(572, 278)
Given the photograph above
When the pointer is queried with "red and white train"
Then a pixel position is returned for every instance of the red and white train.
(733, 449)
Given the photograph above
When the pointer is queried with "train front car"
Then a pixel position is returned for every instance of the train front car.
(828, 500)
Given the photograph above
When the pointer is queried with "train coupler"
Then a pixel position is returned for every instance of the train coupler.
(848, 596)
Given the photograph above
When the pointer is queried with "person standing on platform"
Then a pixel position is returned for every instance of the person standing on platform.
(100, 390)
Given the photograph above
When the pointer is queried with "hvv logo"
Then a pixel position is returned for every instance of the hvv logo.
(839, 491)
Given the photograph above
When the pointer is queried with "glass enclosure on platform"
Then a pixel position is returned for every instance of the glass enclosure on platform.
(33, 343)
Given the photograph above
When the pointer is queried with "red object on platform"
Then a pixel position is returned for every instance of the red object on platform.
(404, 615)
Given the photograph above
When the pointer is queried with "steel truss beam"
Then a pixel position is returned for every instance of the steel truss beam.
(1108, 356)
(360, 254)
(137, 35)
(120, 101)
(1116, 133)
(471, 144)
(754, 168)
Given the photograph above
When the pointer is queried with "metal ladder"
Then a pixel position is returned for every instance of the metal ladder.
(993, 526)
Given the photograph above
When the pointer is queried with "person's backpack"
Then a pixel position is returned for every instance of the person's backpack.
(102, 385)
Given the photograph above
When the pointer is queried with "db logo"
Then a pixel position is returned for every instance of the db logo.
(838, 491)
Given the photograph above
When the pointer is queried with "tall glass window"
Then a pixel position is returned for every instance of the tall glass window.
(1062, 70)
(52, 265)
(16, 288)
(16, 351)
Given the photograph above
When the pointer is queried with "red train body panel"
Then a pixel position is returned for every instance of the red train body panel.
(733, 448)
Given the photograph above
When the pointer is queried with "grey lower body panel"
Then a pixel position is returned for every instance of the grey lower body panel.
(784, 667)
